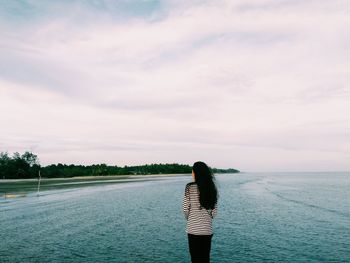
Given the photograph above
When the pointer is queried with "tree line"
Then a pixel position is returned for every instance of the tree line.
(26, 165)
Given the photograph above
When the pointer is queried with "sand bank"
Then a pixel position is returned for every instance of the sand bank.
(11, 188)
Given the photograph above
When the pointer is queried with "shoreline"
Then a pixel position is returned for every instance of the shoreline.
(13, 188)
(93, 177)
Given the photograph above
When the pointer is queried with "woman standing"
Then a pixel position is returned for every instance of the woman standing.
(200, 207)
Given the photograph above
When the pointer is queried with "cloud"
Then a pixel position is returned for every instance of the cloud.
(106, 77)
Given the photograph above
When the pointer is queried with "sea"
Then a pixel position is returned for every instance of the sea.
(262, 217)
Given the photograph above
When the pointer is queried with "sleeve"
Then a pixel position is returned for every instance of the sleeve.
(186, 202)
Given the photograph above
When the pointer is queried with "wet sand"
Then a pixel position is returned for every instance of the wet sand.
(12, 188)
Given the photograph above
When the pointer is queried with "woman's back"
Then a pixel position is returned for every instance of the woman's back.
(200, 207)
(199, 219)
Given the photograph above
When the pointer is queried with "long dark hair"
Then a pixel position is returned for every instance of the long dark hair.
(208, 193)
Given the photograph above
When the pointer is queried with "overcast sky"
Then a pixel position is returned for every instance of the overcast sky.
(257, 85)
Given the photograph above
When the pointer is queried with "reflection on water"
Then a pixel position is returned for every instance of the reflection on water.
(262, 217)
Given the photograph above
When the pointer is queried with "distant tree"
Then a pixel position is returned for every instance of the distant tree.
(18, 166)
(5, 160)
(30, 158)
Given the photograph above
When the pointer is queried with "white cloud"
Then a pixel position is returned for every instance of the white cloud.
(262, 85)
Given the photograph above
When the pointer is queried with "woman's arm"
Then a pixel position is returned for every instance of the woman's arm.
(186, 202)
(214, 211)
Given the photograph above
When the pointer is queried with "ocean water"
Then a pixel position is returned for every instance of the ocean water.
(262, 217)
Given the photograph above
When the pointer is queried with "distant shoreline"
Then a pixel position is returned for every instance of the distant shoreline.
(92, 177)
(27, 166)
(12, 188)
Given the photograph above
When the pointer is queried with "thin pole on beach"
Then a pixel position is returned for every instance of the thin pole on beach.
(39, 179)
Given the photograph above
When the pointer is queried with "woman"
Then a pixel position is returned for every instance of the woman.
(200, 207)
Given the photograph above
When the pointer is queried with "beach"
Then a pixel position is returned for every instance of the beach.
(13, 188)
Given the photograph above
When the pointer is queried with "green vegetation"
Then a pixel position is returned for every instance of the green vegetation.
(27, 166)
(62, 170)
(19, 166)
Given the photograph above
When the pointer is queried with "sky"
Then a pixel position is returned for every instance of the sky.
(256, 85)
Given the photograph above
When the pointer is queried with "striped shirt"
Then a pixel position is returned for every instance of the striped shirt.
(199, 219)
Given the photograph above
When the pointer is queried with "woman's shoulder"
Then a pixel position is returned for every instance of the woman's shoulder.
(191, 185)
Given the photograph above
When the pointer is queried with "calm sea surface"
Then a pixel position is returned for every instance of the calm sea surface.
(262, 217)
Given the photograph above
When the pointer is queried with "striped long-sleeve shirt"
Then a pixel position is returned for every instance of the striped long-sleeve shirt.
(199, 219)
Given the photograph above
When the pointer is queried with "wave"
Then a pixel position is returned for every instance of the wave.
(278, 195)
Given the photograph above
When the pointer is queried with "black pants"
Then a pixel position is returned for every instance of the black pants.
(199, 248)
